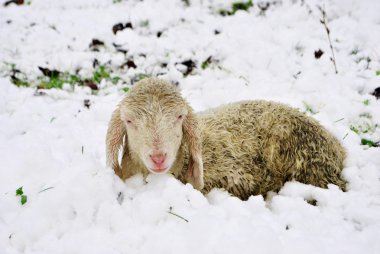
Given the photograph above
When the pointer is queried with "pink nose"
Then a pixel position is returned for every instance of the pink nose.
(158, 158)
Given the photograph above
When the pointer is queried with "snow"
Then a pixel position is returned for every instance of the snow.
(53, 145)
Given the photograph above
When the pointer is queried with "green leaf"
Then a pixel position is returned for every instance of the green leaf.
(19, 82)
(369, 143)
(54, 82)
(101, 73)
(73, 79)
(377, 73)
(24, 199)
(115, 79)
(354, 129)
(206, 63)
(125, 89)
(19, 191)
(366, 102)
(308, 108)
(237, 6)
(241, 6)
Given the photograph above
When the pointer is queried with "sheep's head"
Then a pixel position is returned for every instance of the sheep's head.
(155, 120)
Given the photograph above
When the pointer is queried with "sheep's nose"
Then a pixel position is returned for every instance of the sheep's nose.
(158, 158)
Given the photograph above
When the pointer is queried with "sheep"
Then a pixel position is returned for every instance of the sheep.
(247, 148)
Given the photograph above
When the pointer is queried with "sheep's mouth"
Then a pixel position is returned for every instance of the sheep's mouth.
(158, 170)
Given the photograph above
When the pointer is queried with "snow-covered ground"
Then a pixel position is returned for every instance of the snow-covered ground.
(52, 145)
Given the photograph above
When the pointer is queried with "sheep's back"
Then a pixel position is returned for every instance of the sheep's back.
(253, 147)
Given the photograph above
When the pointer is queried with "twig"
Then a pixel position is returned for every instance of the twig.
(179, 216)
(45, 189)
(324, 22)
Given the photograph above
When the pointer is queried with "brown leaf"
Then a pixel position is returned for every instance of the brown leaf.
(120, 27)
(376, 93)
(95, 44)
(49, 73)
(190, 64)
(18, 2)
(91, 84)
(129, 64)
(318, 53)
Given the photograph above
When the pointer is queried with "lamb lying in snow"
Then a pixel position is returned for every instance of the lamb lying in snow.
(247, 148)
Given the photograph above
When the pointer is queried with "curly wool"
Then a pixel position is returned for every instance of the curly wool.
(253, 147)
(247, 148)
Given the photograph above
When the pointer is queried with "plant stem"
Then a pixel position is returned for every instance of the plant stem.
(170, 212)
(45, 189)
(324, 22)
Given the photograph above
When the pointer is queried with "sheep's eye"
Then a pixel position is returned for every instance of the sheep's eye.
(129, 121)
(180, 116)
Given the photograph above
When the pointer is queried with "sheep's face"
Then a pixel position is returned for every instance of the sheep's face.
(154, 132)
(155, 121)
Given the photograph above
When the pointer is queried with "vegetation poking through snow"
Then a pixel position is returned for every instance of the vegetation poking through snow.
(51, 78)
(137, 78)
(23, 198)
(324, 23)
(179, 216)
(365, 128)
(236, 6)
(370, 143)
(309, 108)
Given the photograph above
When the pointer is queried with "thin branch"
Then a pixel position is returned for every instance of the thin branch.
(179, 216)
(324, 22)
(45, 189)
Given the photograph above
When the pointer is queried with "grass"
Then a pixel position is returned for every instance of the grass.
(236, 6)
(55, 79)
(20, 82)
(309, 108)
(17, 77)
(49, 188)
(354, 51)
(52, 82)
(364, 128)
(341, 119)
(369, 143)
(139, 77)
(205, 64)
(101, 73)
(366, 59)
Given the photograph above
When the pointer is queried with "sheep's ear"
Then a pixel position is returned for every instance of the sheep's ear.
(192, 135)
(114, 141)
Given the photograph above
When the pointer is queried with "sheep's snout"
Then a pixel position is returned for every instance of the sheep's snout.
(158, 160)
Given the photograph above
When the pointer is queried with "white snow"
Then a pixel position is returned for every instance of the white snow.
(53, 146)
